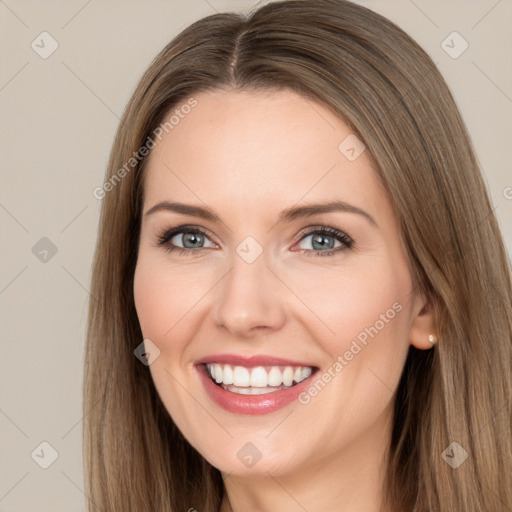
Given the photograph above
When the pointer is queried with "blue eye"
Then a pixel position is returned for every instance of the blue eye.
(192, 238)
(325, 241)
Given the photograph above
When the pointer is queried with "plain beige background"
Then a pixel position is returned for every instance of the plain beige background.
(58, 119)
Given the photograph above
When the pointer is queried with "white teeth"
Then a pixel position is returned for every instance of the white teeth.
(305, 373)
(257, 380)
(241, 377)
(227, 374)
(258, 377)
(275, 377)
(241, 391)
(288, 376)
(218, 373)
(249, 391)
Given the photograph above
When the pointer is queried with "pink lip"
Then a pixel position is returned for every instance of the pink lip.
(250, 361)
(251, 404)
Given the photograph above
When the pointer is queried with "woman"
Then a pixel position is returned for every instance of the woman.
(230, 365)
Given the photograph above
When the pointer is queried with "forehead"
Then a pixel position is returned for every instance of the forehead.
(241, 149)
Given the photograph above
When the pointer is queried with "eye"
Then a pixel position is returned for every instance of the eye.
(187, 239)
(317, 241)
(324, 241)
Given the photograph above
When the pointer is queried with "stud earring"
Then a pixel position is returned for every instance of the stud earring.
(431, 338)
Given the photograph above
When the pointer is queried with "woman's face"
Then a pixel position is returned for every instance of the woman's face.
(265, 285)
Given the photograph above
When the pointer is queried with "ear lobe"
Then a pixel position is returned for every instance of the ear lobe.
(423, 333)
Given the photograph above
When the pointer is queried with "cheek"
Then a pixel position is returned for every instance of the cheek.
(361, 323)
(150, 295)
(362, 302)
(162, 300)
(164, 296)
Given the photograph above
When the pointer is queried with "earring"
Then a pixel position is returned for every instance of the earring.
(431, 338)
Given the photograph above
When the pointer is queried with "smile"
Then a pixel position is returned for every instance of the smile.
(255, 384)
(258, 380)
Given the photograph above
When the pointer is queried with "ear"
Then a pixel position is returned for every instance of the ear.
(423, 332)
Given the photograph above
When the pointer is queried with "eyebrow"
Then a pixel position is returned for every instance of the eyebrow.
(287, 215)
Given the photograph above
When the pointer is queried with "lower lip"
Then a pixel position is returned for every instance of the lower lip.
(250, 404)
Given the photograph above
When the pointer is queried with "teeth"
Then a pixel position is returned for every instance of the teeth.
(257, 380)
(249, 391)
(241, 377)
(288, 376)
(258, 377)
(275, 377)
(218, 373)
(227, 375)
(305, 373)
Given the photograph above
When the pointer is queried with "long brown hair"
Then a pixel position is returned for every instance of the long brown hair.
(386, 88)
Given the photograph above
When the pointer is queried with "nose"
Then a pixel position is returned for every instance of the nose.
(249, 301)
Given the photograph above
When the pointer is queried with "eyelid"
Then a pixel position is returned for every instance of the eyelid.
(346, 241)
(165, 235)
(319, 228)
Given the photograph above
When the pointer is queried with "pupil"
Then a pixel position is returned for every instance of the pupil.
(192, 238)
(321, 242)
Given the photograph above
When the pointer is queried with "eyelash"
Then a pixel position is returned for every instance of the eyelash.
(165, 236)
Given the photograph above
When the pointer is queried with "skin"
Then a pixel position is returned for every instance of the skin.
(248, 156)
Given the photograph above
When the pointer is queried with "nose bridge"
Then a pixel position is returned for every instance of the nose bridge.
(248, 297)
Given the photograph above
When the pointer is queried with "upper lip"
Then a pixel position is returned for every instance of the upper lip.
(251, 361)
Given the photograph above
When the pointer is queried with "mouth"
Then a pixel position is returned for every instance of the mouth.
(258, 380)
(253, 385)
